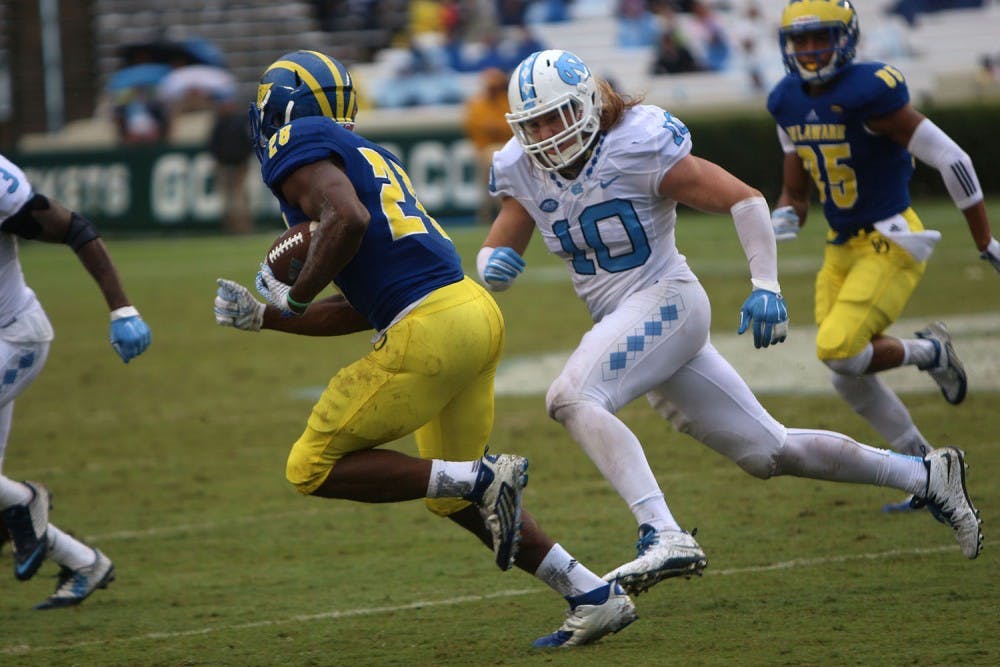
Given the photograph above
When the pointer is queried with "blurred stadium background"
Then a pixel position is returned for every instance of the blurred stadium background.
(61, 64)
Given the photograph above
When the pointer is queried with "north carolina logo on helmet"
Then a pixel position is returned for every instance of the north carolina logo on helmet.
(836, 18)
(300, 84)
(554, 81)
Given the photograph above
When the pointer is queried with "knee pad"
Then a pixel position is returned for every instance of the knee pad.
(856, 365)
(565, 392)
(760, 465)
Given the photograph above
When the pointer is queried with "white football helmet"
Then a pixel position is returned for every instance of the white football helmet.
(554, 81)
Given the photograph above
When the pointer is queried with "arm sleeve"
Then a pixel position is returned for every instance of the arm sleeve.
(753, 225)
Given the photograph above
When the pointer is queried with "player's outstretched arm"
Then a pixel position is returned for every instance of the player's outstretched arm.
(235, 306)
(932, 146)
(47, 220)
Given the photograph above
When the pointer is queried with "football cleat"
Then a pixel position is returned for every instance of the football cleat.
(946, 490)
(946, 369)
(661, 555)
(75, 586)
(500, 482)
(591, 616)
(28, 527)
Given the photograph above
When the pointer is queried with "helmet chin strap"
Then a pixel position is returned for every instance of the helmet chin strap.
(572, 170)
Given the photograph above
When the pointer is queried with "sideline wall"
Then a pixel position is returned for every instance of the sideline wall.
(171, 188)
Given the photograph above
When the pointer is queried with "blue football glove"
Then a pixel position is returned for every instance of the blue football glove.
(785, 222)
(992, 254)
(766, 311)
(130, 336)
(502, 267)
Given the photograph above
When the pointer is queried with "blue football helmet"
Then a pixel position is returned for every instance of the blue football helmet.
(838, 18)
(300, 84)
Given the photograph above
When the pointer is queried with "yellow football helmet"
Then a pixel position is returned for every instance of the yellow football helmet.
(837, 17)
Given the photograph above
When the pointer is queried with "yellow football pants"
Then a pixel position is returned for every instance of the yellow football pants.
(862, 288)
(431, 374)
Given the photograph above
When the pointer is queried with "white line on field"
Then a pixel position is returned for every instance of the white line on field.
(22, 649)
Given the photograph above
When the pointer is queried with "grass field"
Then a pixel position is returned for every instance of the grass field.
(174, 466)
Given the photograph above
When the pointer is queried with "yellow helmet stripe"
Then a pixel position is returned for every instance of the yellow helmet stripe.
(310, 80)
(342, 108)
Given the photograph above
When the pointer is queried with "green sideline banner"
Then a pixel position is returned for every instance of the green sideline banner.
(165, 187)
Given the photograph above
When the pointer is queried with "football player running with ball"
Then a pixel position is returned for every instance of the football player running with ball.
(25, 337)
(438, 340)
(848, 127)
(600, 176)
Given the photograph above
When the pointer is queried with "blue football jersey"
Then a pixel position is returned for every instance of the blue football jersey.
(861, 178)
(405, 254)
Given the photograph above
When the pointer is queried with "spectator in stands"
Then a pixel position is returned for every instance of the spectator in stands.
(486, 127)
(423, 78)
(547, 11)
(989, 70)
(229, 144)
(637, 26)
(426, 16)
(751, 39)
(511, 12)
(672, 56)
(710, 40)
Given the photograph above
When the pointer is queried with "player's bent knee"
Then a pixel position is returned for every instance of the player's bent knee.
(761, 466)
(855, 365)
(566, 392)
(304, 474)
(446, 506)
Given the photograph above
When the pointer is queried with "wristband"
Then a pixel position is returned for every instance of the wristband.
(124, 311)
(297, 306)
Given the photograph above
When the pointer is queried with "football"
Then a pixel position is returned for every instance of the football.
(288, 253)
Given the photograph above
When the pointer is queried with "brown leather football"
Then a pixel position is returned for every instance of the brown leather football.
(288, 253)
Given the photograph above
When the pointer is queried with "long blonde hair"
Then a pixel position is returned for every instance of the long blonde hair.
(614, 104)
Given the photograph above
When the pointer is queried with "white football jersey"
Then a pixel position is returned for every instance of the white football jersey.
(612, 228)
(16, 298)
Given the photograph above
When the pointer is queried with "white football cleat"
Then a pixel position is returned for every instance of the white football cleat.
(661, 555)
(75, 586)
(947, 369)
(499, 484)
(591, 616)
(946, 490)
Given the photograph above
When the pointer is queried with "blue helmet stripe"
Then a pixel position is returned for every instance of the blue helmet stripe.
(526, 79)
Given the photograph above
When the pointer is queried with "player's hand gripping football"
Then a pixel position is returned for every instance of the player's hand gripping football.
(130, 335)
(785, 222)
(274, 291)
(502, 267)
(992, 254)
(236, 307)
(765, 311)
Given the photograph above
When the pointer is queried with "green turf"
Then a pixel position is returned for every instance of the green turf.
(174, 465)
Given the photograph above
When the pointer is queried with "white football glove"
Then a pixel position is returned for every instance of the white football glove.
(236, 307)
(498, 267)
(992, 254)
(274, 291)
(785, 222)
